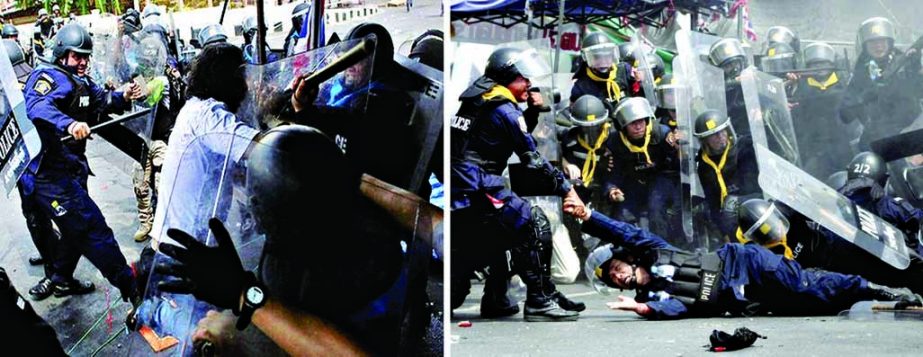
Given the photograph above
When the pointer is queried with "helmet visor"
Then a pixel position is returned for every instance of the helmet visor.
(770, 227)
(531, 65)
(600, 57)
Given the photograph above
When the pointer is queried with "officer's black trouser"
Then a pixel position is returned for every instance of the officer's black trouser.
(479, 239)
(83, 229)
(44, 236)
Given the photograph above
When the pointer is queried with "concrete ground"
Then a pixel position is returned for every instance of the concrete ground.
(601, 331)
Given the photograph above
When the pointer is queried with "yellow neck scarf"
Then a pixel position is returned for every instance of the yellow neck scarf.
(589, 165)
(498, 91)
(612, 88)
(827, 83)
(718, 167)
(639, 149)
(783, 242)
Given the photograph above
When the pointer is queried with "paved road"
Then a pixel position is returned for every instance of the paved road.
(601, 331)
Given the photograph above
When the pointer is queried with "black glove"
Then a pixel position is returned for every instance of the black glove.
(211, 274)
(742, 338)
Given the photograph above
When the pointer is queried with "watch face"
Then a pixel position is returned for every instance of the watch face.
(255, 295)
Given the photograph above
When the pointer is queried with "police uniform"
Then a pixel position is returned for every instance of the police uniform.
(487, 130)
(58, 174)
(731, 174)
(647, 171)
(576, 151)
(894, 210)
(823, 142)
(734, 279)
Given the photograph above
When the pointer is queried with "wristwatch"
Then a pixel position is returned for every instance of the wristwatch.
(254, 298)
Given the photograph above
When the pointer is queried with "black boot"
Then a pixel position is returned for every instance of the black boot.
(73, 287)
(903, 296)
(568, 304)
(36, 260)
(42, 290)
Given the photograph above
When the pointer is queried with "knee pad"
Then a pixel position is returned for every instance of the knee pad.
(541, 226)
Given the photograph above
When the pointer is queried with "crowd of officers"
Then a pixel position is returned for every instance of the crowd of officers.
(621, 171)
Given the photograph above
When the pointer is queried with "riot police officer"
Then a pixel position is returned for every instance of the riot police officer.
(488, 128)
(61, 100)
(666, 97)
(646, 174)
(866, 176)
(824, 144)
(601, 75)
(741, 279)
(729, 55)
(780, 58)
(788, 233)
(882, 100)
(10, 32)
(43, 31)
(782, 35)
(213, 33)
(657, 70)
(727, 169)
(584, 145)
(250, 42)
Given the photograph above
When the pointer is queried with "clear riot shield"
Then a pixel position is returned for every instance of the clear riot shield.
(19, 141)
(644, 70)
(365, 274)
(139, 58)
(783, 181)
(768, 114)
(265, 99)
(205, 181)
(701, 87)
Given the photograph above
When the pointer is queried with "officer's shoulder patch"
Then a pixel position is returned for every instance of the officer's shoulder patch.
(44, 84)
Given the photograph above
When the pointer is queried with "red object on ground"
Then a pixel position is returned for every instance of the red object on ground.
(464, 324)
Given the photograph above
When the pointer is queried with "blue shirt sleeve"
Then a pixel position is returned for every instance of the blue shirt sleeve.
(623, 234)
(44, 106)
(107, 101)
(666, 309)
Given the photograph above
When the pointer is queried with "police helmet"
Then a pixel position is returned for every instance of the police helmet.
(837, 179)
(631, 110)
(212, 34)
(72, 37)
(42, 12)
(819, 53)
(9, 31)
(249, 25)
(709, 123)
(384, 44)
(427, 48)
(656, 64)
(506, 64)
(628, 51)
(56, 7)
(782, 34)
(17, 56)
(151, 10)
(780, 57)
(281, 180)
(132, 20)
(761, 221)
(599, 52)
(596, 267)
(876, 27)
(587, 111)
(667, 91)
(868, 164)
(725, 50)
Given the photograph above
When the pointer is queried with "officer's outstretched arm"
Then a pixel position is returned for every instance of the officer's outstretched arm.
(302, 334)
(623, 234)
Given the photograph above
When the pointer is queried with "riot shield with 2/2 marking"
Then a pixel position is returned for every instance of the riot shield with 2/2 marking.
(768, 114)
(785, 182)
(19, 141)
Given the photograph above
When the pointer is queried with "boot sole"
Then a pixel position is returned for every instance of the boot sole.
(541, 318)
